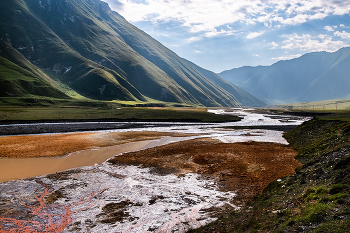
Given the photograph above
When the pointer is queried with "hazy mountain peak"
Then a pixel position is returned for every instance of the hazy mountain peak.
(312, 77)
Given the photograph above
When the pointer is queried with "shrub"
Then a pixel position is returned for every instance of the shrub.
(337, 188)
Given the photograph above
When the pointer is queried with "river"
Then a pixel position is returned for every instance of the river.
(97, 196)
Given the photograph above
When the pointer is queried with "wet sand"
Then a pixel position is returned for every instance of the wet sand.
(233, 165)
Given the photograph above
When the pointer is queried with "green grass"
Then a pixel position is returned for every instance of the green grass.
(17, 81)
(328, 105)
(110, 111)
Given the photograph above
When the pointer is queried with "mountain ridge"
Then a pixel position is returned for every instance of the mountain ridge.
(314, 76)
(97, 53)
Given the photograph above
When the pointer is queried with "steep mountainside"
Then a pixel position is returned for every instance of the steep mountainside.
(312, 77)
(19, 77)
(97, 53)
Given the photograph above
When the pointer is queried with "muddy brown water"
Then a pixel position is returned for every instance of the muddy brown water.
(14, 169)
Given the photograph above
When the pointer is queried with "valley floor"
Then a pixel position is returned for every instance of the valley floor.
(171, 187)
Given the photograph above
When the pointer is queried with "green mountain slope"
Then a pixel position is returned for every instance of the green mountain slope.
(241, 96)
(312, 77)
(97, 53)
(19, 77)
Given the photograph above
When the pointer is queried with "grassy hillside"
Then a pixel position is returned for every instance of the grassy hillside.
(86, 47)
(316, 198)
(22, 78)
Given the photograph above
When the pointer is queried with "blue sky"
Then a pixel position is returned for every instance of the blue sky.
(223, 34)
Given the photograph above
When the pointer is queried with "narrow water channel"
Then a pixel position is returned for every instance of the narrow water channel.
(14, 169)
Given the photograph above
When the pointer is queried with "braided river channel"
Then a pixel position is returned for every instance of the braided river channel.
(144, 177)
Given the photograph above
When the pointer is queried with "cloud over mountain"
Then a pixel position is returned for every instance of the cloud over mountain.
(233, 31)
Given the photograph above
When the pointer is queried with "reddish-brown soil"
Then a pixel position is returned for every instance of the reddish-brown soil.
(245, 168)
(56, 145)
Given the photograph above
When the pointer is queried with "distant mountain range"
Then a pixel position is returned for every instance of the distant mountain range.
(83, 49)
(312, 77)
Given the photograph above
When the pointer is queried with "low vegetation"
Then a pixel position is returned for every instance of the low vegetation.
(108, 111)
(316, 198)
(327, 105)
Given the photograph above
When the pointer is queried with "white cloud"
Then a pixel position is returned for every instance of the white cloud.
(329, 28)
(208, 34)
(274, 45)
(343, 26)
(194, 38)
(206, 15)
(253, 35)
(163, 34)
(298, 19)
(286, 57)
(309, 43)
(215, 33)
(344, 35)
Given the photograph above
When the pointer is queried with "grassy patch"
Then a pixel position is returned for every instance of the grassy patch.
(328, 105)
(314, 213)
(110, 112)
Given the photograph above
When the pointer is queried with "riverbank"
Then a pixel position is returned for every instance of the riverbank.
(315, 199)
